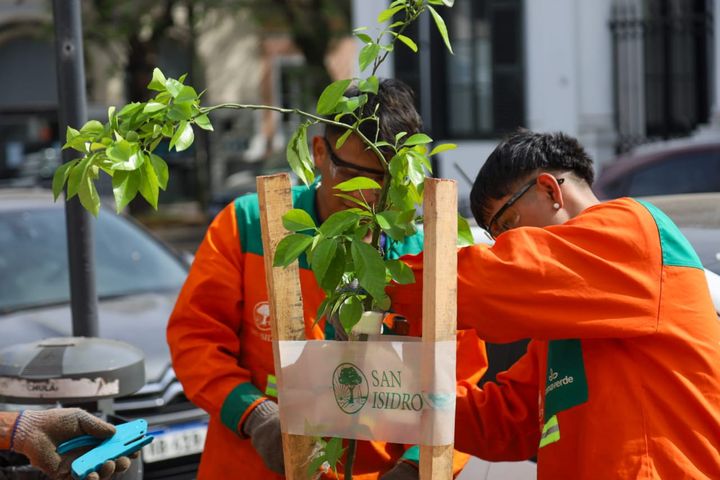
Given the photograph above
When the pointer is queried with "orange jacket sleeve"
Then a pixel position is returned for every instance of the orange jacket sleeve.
(500, 421)
(203, 329)
(595, 276)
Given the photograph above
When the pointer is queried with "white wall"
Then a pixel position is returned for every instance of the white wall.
(551, 73)
(594, 63)
(569, 71)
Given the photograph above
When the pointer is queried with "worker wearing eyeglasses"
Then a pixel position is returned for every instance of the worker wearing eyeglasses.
(621, 378)
(219, 331)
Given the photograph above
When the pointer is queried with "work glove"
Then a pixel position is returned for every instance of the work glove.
(402, 471)
(263, 428)
(37, 433)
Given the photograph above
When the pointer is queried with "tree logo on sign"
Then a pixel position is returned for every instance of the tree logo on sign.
(350, 387)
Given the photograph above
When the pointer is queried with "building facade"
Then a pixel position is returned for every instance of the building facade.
(614, 73)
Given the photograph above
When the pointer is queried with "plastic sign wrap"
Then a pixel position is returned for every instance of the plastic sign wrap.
(395, 391)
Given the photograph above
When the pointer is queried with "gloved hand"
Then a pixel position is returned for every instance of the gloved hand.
(402, 471)
(263, 428)
(37, 433)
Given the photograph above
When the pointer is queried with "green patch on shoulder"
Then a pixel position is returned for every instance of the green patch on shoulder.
(676, 250)
(247, 212)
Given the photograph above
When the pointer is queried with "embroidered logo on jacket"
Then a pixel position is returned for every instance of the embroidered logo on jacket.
(261, 314)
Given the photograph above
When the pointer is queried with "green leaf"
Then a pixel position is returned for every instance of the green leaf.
(330, 97)
(399, 196)
(75, 177)
(76, 140)
(89, 197)
(180, 111)
(124, 155)
(70, 134)
(130, 109)
(443, 148)
(335, 271)
(290, 248)
(93, 127)
(187, 94)
(297, 220)
(369, 85)
(368, 54)
(321, 310)
(342, 139)
(464, 233)
(358, 183)
(360, 203)
(350, 313)
(174, 87)
(125, 187)
(387, 14)
(203, 122)
(364, 37)
(409, 42)
(370, 268)
(418, 139)
(440, 23)
(298, 155)
(400, 272)
(388, 221)
(183, 137)
(416, 168)
(349, 105)
(161, 170)
(315, 465)
(60, 177)
(149, 186)
(153, 107)
(323, 256)
(334, 450)
(158, 81)
(338, 223)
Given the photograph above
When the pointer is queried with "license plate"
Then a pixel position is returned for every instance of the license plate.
(175, 442)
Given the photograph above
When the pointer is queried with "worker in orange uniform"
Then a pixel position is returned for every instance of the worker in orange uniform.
(219, 331)
(621, 378)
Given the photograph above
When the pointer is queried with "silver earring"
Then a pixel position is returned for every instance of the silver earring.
(556, 206)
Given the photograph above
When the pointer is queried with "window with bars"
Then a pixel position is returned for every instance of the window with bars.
(479, 92)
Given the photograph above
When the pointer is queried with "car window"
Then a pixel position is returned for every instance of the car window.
(686, 173)
(34, 262)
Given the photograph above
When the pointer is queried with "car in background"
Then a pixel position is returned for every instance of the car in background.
(664, 168)
(137, 281)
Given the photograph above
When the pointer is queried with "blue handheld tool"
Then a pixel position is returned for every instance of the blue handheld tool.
(129, 438)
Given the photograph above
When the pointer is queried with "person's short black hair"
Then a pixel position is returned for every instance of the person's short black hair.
(396, 112)
(523, 153)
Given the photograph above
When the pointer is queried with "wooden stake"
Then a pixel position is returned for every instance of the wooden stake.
(439, 299)
(286, 308)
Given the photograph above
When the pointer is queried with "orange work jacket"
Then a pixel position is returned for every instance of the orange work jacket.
(622, 378)
(220, 341)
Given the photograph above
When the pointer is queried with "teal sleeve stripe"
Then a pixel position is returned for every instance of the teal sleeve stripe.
(412, 454)
(237, 402)
(676, 250)
(412, 245)
(247, 212)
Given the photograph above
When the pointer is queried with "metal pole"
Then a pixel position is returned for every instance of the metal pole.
(73, 111)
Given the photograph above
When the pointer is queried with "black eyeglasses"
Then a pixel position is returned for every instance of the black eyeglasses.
(514, 198)
(339, 162)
